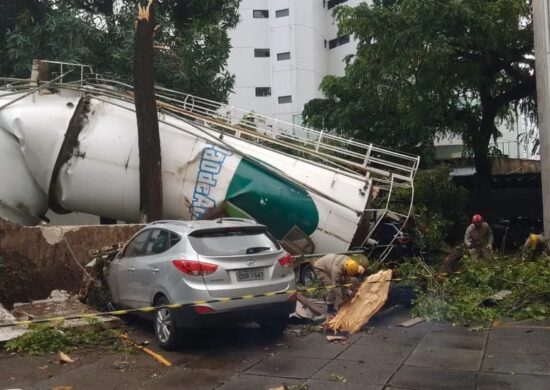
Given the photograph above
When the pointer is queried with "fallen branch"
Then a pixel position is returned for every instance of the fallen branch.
(370, 298)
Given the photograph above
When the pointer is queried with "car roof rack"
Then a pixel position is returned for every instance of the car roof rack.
(170, 221)
(235, 219)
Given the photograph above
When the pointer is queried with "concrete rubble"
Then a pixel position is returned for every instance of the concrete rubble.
(58, 305)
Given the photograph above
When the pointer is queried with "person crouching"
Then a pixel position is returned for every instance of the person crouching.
(331, 270)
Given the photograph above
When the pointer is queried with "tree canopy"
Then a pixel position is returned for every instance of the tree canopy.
(191, 40)
(426, 68)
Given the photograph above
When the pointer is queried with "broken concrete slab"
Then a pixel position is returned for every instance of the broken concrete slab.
(60, 304)
(11, 332)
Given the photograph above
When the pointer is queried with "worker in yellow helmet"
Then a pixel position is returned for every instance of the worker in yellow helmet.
(331, 269)
(534, 245)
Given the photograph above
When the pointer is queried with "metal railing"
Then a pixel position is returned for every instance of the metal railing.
(388, 169)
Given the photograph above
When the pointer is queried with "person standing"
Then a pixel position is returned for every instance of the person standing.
(479, 238)
(331, 269)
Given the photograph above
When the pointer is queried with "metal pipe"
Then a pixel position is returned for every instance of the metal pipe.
(34, 90)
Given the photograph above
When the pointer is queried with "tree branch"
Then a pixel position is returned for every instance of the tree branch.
(519, 91)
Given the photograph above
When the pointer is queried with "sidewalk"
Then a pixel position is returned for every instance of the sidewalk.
(425, 356)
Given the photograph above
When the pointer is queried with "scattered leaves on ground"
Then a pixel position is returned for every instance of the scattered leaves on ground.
(462, 297)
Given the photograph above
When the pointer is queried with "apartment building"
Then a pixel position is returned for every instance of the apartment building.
(282, 49)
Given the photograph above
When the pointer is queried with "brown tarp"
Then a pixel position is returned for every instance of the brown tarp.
(369, 299)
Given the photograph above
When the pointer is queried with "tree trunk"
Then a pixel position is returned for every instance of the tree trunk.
(483, 165)
(150, 168)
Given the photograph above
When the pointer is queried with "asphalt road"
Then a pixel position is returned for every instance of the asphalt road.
(387, 356)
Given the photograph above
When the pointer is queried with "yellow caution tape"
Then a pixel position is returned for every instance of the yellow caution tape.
(149, 309)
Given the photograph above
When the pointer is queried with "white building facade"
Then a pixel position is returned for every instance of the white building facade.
(282, 49)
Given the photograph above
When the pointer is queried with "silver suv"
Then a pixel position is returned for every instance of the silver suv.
(170, 262)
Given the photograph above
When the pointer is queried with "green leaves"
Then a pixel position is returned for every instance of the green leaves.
(461, 298)
(425, 68)
(191, 36)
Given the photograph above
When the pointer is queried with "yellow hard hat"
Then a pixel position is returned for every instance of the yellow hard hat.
(534, 238)
(351, 267)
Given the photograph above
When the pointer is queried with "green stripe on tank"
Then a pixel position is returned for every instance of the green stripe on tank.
(272, 200)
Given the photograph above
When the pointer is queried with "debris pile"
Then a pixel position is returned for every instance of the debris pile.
(94, 290)
(481, 291)
(59, 305)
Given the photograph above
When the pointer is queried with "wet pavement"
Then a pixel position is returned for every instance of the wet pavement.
(386, 356)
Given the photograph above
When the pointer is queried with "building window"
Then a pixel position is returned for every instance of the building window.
(261, 52)
(281, 13)
(263, 91)
(283, 56)
(338, 41)
(260, 14)
(285, 99)
(334, 3)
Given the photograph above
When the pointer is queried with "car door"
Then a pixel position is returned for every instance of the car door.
(147, 272)
(122, 274)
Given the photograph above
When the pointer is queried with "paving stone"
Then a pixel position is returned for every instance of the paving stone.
(414, 333)
(531, 343)
(255, 382)
(356, 372)
(388, 352)
(512, 382)
(448, 358)
(543, 335)
(315, 345)
(288, 367)
(443, 327)
(451, 340)
(315, 384)
(391, 316)
(418, 378)
(517, 363)
(380, 341)
(174, 379)
(235, 361)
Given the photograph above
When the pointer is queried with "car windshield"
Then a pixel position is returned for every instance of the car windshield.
(232, 242)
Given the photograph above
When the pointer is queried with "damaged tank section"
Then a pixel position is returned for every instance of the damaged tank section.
(73, 147)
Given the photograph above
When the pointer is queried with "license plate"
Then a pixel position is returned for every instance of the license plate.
(243, 276)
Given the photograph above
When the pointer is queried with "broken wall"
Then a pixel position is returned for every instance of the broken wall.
(36, 260)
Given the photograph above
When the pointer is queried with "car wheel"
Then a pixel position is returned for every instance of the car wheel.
(274, 326)
(166, 332)
(307, 274)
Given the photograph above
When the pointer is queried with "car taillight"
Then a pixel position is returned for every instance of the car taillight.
(195, 268)
(286, 261)
(203, 309)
